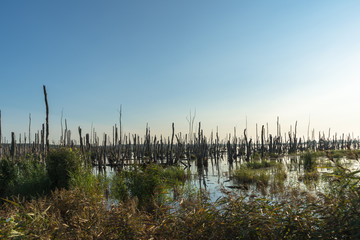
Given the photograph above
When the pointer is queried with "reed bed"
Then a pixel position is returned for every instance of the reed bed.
(76, 213)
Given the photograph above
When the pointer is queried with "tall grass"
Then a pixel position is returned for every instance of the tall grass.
(148, 184)
(261, 164)
(82, 212)
(26, 177)
(60, 164)
(309, 161)
(244, 175)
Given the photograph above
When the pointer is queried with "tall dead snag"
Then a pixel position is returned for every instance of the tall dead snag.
(262, 141)
(87, 137)
(120, 138)
(81, 141)
(295, 139)
(29, 130)
(172, 143)
(13, 145)
(0, 137)
(104, 162)
(248, 146)
(47, 119)
(62, 129)
(42, 147)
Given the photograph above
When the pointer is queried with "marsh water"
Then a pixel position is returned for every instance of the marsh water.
(217, 179)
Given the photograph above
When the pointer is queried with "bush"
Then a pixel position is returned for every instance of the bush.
(32, 179)
(7, 175)
(26, 177)
(309, 161)
(61, 164)
(147, 183)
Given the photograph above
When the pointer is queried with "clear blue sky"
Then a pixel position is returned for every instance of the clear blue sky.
(159, 59)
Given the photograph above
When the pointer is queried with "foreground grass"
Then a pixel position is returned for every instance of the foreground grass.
(81, 210)
(75, 214)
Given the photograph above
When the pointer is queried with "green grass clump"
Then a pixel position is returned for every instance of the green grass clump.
(338, 153)
(309, 160)
(256, 156)
(309, 176)
(278, 182)
(352, 154)
(260, 164)
(7, 175)
(147, 183)
(280, 174)
(24, 177)
(32, 179)
(245, 175)
(60, 164)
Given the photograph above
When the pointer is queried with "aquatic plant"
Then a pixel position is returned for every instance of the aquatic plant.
(244, 175)
(260, 164)
(77, 213)
(309, 161)
(147, 183)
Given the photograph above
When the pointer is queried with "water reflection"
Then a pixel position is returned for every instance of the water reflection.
(216, 178)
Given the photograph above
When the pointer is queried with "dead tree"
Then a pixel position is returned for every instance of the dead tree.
(81, 141)
(172, 143)
(0, 137)
(47, 119)
(262, 141)
(13, 145)
(29, 130)
(42, 149)
(248, 147)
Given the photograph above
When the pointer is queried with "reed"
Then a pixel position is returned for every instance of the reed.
(79, 213)
(309, 160)
(60, 164)
(147, 183)
(244, 175)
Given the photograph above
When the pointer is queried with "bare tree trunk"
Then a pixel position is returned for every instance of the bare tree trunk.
(29, 130)
(47, 120)
(81, 141)
(0, 137)
(172, 142)
(65, 134)
(13, 145)
(248, 147)
(104, 166)
(120, 139)
(62, 129)
(262, 141)
(42, 151)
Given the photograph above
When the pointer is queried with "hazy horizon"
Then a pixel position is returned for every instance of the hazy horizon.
(234, 62)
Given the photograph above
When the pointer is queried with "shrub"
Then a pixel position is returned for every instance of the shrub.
(60, 164)
(147, 183)
(7, 175)
(26, 177)
(32, 179)
(309, 161)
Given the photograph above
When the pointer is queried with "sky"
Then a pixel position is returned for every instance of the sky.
(236, 63)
